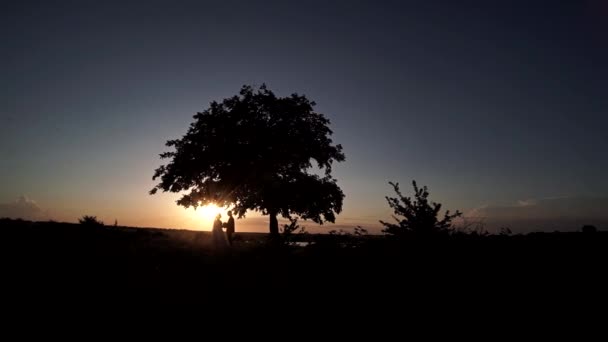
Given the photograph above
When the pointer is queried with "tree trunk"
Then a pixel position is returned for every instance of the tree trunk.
(274, 224)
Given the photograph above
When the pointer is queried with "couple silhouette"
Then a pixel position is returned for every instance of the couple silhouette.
(221, 240)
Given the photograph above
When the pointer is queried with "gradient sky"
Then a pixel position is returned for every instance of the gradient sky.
(500, 107)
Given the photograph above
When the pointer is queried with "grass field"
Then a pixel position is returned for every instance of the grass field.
(58, 262)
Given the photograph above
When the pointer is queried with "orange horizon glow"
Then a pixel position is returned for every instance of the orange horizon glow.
(206, 215)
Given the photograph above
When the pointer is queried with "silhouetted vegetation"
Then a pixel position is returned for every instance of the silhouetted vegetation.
(291, 231)
(90, 221)
(344, 238)
(51, 261)
(417, 216)
(589, 229)
(505, 231)
(253, 151)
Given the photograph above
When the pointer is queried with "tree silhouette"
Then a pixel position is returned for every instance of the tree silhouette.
(253, 151)
(418, 215)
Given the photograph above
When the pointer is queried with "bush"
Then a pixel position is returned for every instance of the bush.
(589, 229)
(417, 216)
(90, 221)
(292, 231)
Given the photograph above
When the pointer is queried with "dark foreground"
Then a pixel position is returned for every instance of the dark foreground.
(57, 262)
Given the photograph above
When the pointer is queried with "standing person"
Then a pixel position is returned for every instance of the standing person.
(219, 239)
(230, 227)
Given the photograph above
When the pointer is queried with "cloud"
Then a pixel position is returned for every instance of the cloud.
(23, 208)
(546, 214)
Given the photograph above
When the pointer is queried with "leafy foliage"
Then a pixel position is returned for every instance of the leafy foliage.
(253, 151)
(292, 228)
(418, 215)
(292, 232)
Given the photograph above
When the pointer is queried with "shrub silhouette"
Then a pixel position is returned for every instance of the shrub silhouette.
(292, 227)
(505, 231)
(90, 221)
(417, 216)
(291, 230)
(589, 229)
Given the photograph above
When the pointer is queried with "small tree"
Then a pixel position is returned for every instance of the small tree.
(417, 216)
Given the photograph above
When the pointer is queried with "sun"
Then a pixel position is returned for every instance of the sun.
(207, 213)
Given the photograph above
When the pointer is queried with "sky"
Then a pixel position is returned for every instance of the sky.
(499, 107)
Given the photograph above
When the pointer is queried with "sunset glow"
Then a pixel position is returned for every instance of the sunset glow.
(206, 214)
(489, 105)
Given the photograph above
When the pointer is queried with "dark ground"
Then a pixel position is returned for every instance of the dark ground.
(59, 263)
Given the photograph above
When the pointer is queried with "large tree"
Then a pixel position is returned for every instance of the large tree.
(255, 151)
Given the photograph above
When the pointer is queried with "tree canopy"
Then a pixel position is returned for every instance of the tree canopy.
(255, 151)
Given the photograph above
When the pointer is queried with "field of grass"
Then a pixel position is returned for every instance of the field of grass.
(58, 262)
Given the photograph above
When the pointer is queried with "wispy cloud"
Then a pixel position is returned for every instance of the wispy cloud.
(24, 208)
(545, 214)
